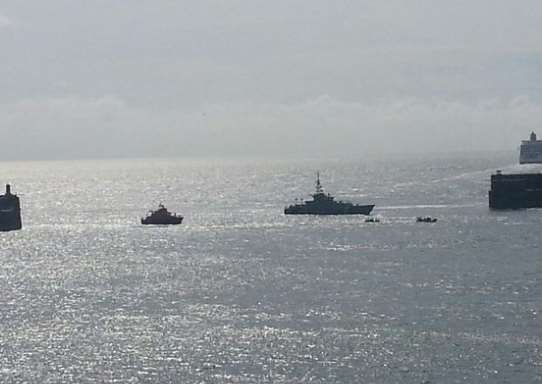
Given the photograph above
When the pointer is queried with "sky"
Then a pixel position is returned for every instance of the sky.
(295, 78)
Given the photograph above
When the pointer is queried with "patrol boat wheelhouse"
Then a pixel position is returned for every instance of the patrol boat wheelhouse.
(325, 204)
(530, 151)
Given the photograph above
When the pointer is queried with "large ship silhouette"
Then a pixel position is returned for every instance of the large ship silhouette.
(531, 150)
(519, 190)
(10, 211)
(324, 204)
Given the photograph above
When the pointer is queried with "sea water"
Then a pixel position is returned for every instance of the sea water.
(241, 293)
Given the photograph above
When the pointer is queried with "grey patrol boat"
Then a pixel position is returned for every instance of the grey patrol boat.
(324, 204)
(162, 217)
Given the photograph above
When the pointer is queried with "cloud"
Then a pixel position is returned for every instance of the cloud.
(5, 21)
(333, 127)
(324, 126)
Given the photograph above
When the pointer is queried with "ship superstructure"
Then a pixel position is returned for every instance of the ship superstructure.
(10, 211)
(324, 204)
(530, 151)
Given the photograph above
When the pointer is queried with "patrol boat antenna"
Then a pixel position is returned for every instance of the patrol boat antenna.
(319, 188)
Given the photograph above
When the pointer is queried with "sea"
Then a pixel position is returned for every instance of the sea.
(241, 293)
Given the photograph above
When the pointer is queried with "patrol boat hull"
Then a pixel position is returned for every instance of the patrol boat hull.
(516, 191)
(162, 221)
(338, 210)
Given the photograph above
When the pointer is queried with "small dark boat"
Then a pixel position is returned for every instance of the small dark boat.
(372, 220)
(10, 211)
(162, 217)
(425, 219)
(324, 204)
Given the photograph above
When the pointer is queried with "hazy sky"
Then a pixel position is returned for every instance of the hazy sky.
(285, 77)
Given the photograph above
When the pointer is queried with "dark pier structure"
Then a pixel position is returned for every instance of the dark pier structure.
(515, 191)
(10, 211)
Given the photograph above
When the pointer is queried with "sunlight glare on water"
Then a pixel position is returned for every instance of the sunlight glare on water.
(241, 293)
